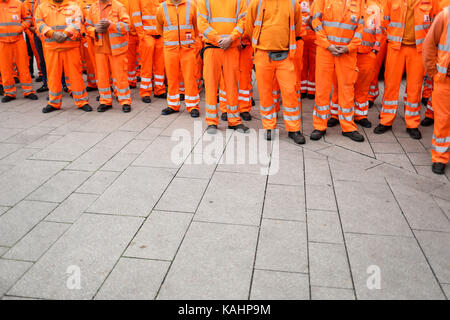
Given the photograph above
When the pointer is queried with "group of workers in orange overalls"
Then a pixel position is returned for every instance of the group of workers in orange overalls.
(331, 51)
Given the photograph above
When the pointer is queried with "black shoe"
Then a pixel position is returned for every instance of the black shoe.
(311, 96)
(126, 108)
(246, 116)
(2, 92)
(16, 80)
(86, 108)
(32, 76)
(44, 88)
(211, 129)
(38, 79)
(268, 135)
(132, 86)
(297, 137)
(168, 111)
(303, 95)
(438, 167)
(414, 133)
(195, 113)
(90, 89)
(317, 134)
(364, 122)
(161, 96)
(97, 98)
(426, 122)
(181, 97)
(65, 89)
(48, 109)
(6, 99)
(381, 129)
(224, 116)
(371, 104)
(253, 102)
(425, 101)
(146, 99)
(332, 122)
(138, 79)
(240, 127)
(354, 135)
(31, 96)
(103, 107)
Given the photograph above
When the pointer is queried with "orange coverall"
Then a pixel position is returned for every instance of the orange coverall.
(308, 75)
(87, 47)
(14, 18)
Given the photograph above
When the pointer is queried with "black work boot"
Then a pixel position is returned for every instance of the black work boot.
(168, 111)
(195, 113)
(354, 135)
(438, 167)
(425, 101)
(268, 135)
(426, 122)
(224, 116)
(31, 96)
(317, 134)
(90, 89)
(311, 96)
(44, 88)
(371, 104)
(414, 133)
(48, 109)
(297, 137)
(146, 99)
(103, 107)
(246, 116)
(126, 108)
(38, 79)
(240, 128)
(6, 99)
(364, 122)
(161, 96)
(381, 129)
(303, 95)
(181, 97)
(211, 129)
(86, 108)
(332, 122)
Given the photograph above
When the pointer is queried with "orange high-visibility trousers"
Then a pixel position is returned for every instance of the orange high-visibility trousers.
(159, 86)
(115, 68)
(396, 62)
(381, 56)
(181, 60)
(245, 79)
(284, 72)
(68, 60)
(15, 52)
(427, 93)
(222, 95)
(308, 78)
(298, 65)
(146, 50)
(88, 50)
(345, 69)
(133, 44)
(215, 62)
(440, 145)
(30, 36)
(276, 94)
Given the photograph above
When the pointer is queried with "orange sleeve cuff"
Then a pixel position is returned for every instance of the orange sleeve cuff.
(49, 33)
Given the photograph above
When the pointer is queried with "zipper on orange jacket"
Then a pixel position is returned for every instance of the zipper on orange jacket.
(178, 26)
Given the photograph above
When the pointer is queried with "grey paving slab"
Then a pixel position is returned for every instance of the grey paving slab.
(276, 206)
(183, 194)
(324, 226)
(139, 122)
(446, 288)
(338, 139)
(37, 241)
(223, 200)
(426, 172)
(149, 133)
(18, 156)
(196, 170)
(29, 135)
(3, 250)
(8, 148)
(282, 246)
(89, 249)
(6, 133)
(324, 293)
(420, 158)
(160, 236)
(384, 147)
(442, 191)
(348, 156)
(71, 208)
(136, 146)
(273, 285)
(365, 208)
(399, 160)
(60, 186)
(3, 209)
(286, 172)
(410, 145)
(134, 192)
(336, 274)
(398, 261)
(44, 141)
(347, 172)
(135, 279)
(70, 147)
(317, 172)
(215, 261)
(443, 204)
(420, 209)
(19, 220)
(119, 162)
(98, 182)
(320, 197)
(437, 251)
(10, 272)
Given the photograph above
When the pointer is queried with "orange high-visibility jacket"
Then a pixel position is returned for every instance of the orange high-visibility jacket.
(395, 17)
(338, 22)
(443, 56)
(14, 18)
(128, 4)
(118, 29)
(439, 5)
(64, 17)
(306, 8)
(372, 33)
(143, 17)
(218, 18)
(177, 23)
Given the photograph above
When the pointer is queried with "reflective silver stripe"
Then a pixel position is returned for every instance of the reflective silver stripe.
(6, 24)
(441, 69)
(243, 99)
(361, 113)
(9, 87)
(227, 20)
(55, 101)
(295, 109)
(149, 27)
(115, 35)
(188, 11)
(87, 21)
(42, 26)
(136, 14)
(202, 15)
(358, 35)
(318, 28)
(441, 140)
(393, 111)
(138, 24)
(232, 108)
(192, 97)
(11, 34)
(321, 116)
(293, 47)
(266, 109)
(177, 96)
(390, 103)
(239, 29)
(440, 149)
(104, 90)
(291, 118)
(185, 42)
(211, 106)
(367, 43)
(422, 27)
(317, 15)
(211, 115)
(339, 39)
(420, 41)
(28, 90)
(411, 114)
(412, 105)
(322, 108)
(369, 31)
(54, 94)
(148, 17)
(208, 8)
(171, 103)
(78, 93)
(105, 96)
(171, 43)
(396, 25)
(125, 96)
(269, 116)
(191, 104)
(339, 25)
(395, 39)
(81, 99)
(349, 119)
(122, 90)
(120, 45)
(207, 31)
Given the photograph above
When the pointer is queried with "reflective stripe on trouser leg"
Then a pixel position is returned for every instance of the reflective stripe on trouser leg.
(429, 112)
(119, 73)
(6, 68)
(146, 52)
(276, 94)
(133, 42)
(222, 96)
(366, 66)
(414, 81)
(72, 67)
(54, 61)
(104, 76)
(230, 67)
(189, 70)
(158, 67)
(245, 79)
(172, 59)
(212, 66)
(440, 144)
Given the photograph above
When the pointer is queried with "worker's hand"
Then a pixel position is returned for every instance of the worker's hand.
(99, 28)
(342, 49)
(105, 23)
(334, 50)
(59, 36)
(32, 29)
(225, 42)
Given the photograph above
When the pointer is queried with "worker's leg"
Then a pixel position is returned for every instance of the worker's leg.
(103, 78)
(118, 65)
(21, 58)
(265, 73)
(172, 58)
(212, 70)
(133, 42)
(230, 68)
(72, 67)
(54, 73)
(159, 87)
(414, 80)
(346, 73)
(6, 69)
(146, 50)
(440, 145)
(189, 69)
(366, 66)
(288, 77)
(324, 85)
(245, 79)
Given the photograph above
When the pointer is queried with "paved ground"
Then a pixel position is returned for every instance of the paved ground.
(93, 207)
